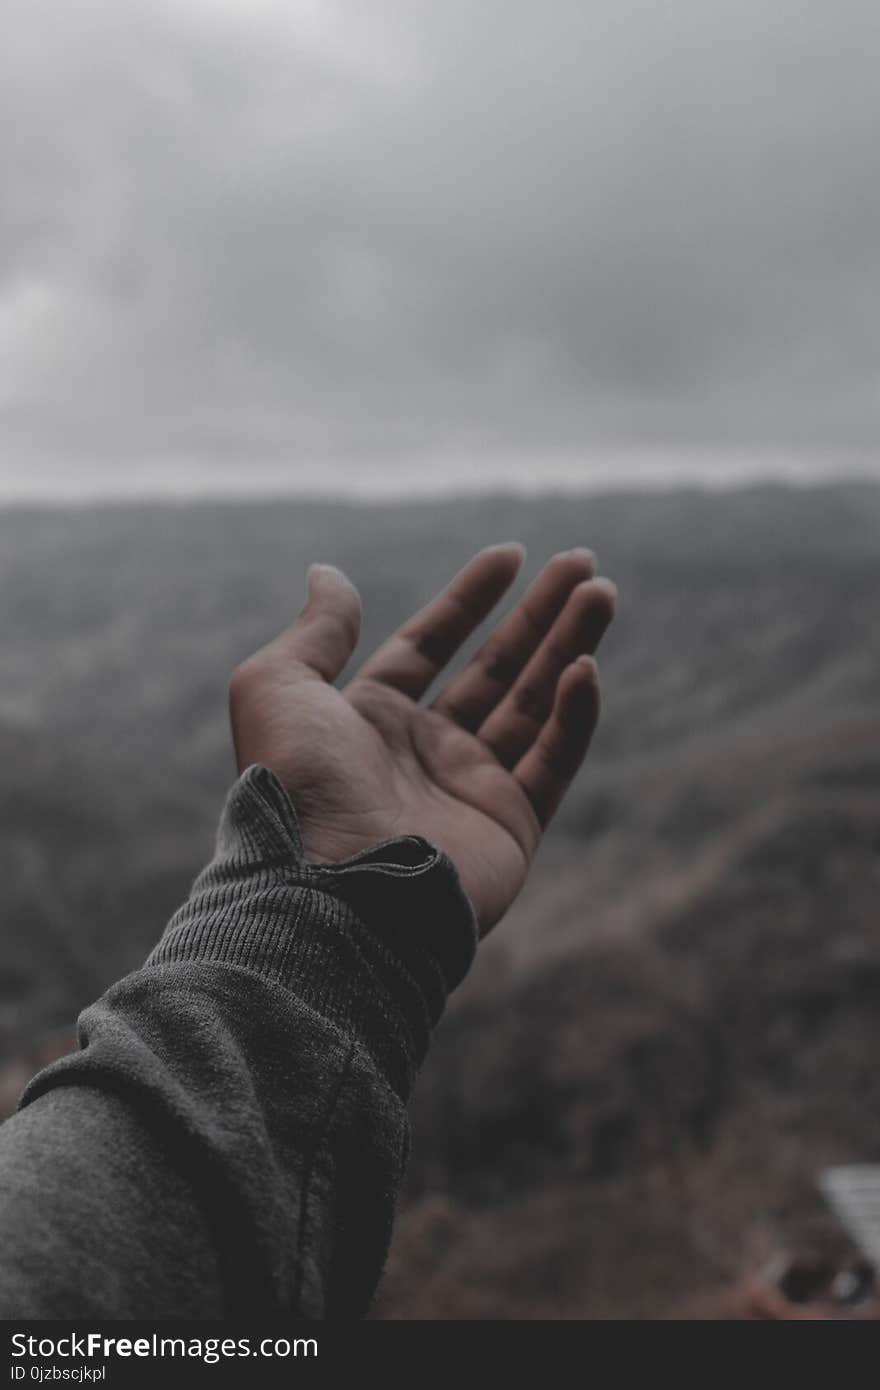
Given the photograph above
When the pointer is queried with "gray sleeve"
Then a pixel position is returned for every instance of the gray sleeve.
(232, 1134)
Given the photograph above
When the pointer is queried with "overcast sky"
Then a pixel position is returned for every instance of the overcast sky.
(258, 242)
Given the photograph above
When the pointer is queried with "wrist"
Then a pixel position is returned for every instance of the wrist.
(374, 942)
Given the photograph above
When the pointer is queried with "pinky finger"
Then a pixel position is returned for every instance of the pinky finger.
(545, 771)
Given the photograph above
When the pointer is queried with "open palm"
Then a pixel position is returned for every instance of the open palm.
(480, 771)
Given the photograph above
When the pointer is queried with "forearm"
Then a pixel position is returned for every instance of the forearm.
(233, 1133)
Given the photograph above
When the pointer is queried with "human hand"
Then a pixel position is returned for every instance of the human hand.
(481, 770)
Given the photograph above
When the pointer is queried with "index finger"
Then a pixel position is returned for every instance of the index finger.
(416, 654)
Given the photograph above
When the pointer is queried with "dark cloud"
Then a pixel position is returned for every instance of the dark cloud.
(304, 233)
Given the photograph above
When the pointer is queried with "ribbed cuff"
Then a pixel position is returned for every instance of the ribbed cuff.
(373, 943)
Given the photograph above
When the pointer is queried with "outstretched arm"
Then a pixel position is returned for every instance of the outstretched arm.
(232, 1134)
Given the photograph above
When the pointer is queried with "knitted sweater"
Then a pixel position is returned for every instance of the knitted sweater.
(231, 1137)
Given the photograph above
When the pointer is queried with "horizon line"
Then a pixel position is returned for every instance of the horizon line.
(652, 473)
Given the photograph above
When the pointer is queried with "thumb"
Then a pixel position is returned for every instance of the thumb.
(326, 632)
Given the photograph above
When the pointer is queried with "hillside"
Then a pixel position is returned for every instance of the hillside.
(678, 1025)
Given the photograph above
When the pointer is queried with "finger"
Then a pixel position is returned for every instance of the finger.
(419, 650)
(326, 632)
(546, 770)
(516, 722)
(472, 695)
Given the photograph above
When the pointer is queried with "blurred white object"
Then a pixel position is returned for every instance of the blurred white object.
(854, 1194)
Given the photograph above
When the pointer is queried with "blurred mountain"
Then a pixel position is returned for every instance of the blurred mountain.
(679, 1024)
